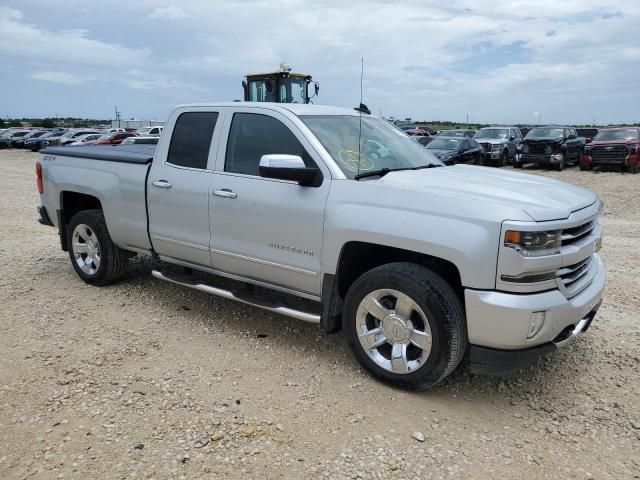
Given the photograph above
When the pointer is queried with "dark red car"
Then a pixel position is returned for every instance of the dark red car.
(614, 147)
(113, 138)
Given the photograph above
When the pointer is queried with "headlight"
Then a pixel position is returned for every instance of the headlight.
(525, 148)
(635, 148)
(496, 147)
(534, 244)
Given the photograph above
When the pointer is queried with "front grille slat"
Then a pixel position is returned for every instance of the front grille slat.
(575, 278)
(573, 234)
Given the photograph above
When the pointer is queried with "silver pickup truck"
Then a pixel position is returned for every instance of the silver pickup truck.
(336, 217)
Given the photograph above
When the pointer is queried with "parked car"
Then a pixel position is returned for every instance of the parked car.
(113, 130)
(614, 147)
(553, 146)
(18, 142)
(417, 132)
(417, 263)
(4, 142)
(114, 138)
(15, 135)
(500, 143)
(83, 139)
(424, 140)
(404, 128)
(35, 144)
(150, 131)
(453, 150)
(140, 141)
(72, 136)
(457, 133)
(588, 133)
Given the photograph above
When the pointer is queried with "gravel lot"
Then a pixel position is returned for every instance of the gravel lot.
(147, 380)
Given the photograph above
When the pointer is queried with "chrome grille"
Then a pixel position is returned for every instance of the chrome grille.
(571, 235)
(609, 153)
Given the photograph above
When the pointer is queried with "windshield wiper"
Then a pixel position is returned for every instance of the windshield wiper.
(383, 171)
(379, 173)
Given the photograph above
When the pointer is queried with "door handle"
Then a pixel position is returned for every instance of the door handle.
(161, 184)
(225, 193)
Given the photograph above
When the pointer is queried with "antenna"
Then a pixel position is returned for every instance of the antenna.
(360, 112)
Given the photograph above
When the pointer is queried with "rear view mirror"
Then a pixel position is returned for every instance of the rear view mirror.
(287, 167)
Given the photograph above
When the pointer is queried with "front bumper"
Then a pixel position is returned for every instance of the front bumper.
(493, 361)
(539, 159)
(498, 320)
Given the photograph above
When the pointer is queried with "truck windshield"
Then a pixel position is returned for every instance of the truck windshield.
(629, 134)
(545, 133)
(381, 145)
(497, 133)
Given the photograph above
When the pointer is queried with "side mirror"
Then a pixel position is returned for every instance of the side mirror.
(589, 140)
(512, 138)
(287, 167)
(317, 88)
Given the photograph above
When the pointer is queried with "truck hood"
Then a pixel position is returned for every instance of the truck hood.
(542, 140)
(492, 141)
(541, 198)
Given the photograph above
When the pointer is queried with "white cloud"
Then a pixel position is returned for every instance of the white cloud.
(24, 40)
(58, 77)
(171, 12)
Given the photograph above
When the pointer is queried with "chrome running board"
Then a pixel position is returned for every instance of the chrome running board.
(229, 295)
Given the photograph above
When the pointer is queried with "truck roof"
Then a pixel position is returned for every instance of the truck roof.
(295, 108)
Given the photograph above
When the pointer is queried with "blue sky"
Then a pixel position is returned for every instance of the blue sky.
(500, 62)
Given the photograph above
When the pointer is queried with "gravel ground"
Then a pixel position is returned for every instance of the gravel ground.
(147, 380)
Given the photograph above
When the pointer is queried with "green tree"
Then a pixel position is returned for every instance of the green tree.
(15, 123)
(47, 123)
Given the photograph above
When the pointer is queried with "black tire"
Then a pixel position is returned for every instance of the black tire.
(113, 260)
(441, 306)
(504, 158)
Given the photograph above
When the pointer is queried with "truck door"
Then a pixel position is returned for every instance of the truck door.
(178, 188)
(263, 228)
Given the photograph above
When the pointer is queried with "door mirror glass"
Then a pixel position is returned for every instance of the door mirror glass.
(512, 138)
(287, 167)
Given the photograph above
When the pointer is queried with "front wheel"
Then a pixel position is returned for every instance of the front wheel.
(504, 158)
(94, 256)
(405, 325)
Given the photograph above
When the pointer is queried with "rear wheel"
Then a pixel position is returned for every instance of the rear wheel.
(94, 256)
(405, 325)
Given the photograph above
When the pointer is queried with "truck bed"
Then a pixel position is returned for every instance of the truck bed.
(139, 154)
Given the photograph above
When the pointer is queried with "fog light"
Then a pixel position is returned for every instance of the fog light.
(536, 321)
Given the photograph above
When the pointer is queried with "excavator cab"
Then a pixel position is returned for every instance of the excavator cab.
(283, 86)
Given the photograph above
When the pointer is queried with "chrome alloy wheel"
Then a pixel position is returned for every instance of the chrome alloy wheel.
(394, 331)
(86, 249)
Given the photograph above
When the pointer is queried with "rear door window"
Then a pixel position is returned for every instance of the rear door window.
(191, 139)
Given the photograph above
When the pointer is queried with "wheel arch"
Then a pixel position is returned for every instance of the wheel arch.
(357, 257)
(71, 203)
